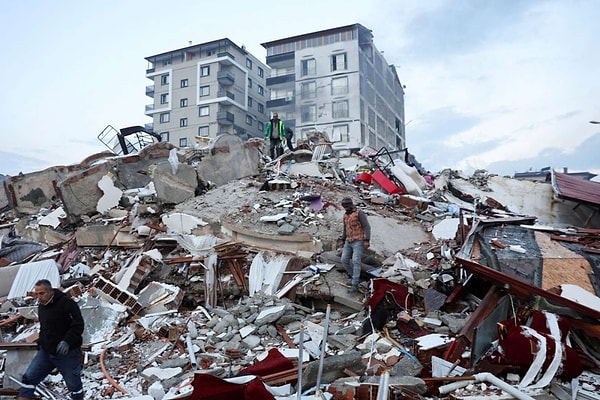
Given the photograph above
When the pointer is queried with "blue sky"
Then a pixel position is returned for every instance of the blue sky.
(506, 86)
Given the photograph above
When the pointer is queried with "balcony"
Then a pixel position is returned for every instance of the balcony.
(149, 127)
(149, 109)
(150, 90)
(150, 70)
(274, 80)
(226, 78)
(279, 102)
(278, 58)
(225, 118)
(226, 95)
(228, 58)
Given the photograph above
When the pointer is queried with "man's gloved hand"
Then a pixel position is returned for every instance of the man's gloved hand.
(62, 348)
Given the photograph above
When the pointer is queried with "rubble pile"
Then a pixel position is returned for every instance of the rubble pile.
(196, 279)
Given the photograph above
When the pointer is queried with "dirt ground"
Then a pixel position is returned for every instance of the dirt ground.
(242, 202)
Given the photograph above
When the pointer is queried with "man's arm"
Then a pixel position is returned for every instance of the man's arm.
(73, 335)
(362, 218)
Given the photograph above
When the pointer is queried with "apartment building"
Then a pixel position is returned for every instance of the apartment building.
(336, 81)
(206, 90)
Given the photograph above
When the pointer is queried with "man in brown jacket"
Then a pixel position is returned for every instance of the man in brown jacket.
(356, 237)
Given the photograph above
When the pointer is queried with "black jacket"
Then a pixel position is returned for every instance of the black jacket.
(60, 320)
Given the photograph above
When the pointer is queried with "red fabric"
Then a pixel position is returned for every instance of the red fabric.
(274, 362)
(538, 322)
(519, 348)
(400, 293)
(209, 387)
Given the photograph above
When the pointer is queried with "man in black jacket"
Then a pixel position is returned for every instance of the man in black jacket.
(289, 134)
(59, 344)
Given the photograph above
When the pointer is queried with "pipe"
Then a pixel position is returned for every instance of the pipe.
(489, 378)
(107, 375)
(323, 349)
(300, 358)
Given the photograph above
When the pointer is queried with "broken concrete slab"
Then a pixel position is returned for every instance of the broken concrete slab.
(230, 159)
(173, 188)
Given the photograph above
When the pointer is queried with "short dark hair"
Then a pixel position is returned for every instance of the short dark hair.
(44, 282)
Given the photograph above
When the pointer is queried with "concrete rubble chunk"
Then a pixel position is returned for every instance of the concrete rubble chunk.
(246, 258)
(174, 188)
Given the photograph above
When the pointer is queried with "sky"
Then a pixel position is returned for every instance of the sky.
(507, 86)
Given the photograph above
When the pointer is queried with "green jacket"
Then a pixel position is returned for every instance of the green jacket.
(269, 129)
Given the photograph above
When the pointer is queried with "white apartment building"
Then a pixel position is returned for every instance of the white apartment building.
(336, 81)
(206, 90)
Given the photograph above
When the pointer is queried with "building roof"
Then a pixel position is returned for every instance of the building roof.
(315, 34)
(576, 189)
(214, 43)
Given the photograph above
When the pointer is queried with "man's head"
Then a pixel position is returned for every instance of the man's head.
(347, 203)
(275, 116)
(43, 291)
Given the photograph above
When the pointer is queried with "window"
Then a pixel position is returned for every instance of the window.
(204, 91)
(183, 103)
(340, 133)
(203, 111)
(182, 122)
(261, 126)
(261, 72)
(184, 83)
(164, 136)
(308, 90)
(339, 86)
(338, 62)
(261, 90)
(261, 108)
(164, 79)
(309, 67)
(249, 101)
(249, 119)
(183, 142)
(166, 62)
(309, 113)
(340, 109)
(164, 118)
(249, 82)
(248, 63)
(203, 131)
(205, 70)
(164, 98)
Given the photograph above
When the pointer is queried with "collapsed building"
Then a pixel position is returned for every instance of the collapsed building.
(214, 272)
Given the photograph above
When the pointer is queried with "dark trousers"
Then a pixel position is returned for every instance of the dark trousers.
(275, 144)
(289, 143)
(43, 363)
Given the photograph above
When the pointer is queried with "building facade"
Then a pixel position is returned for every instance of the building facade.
(205, 90)
(336, 81)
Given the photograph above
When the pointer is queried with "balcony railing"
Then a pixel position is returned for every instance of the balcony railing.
(225, 118)
(226, 93)
(149, 108)
(226, 78)
(150, 90)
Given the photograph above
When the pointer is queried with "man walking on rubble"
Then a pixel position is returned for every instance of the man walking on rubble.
(275, 131)
(59, 343)
(356, 238)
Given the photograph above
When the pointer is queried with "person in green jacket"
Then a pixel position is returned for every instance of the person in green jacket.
(275, 131)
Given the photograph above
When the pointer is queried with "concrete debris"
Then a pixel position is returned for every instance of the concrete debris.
(218, 270)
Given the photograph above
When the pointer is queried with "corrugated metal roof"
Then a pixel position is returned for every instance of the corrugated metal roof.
(576, 189)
